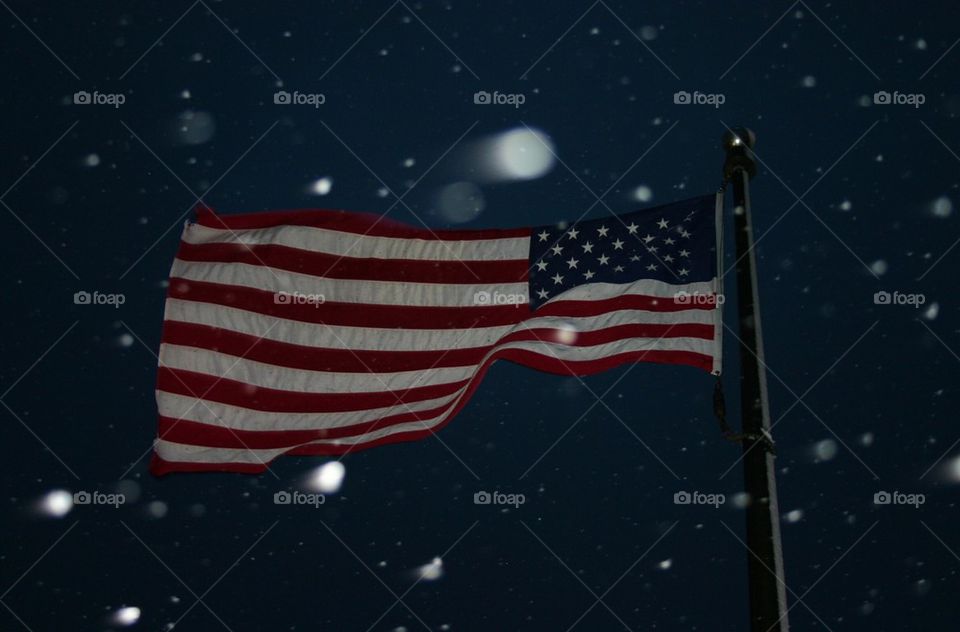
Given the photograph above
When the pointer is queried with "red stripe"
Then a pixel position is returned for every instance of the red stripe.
(314, 358)
(654, 331)
(197, 433)
(220, 437)
(339, 360)
(408, 316)
(337, 267)
(226, 391)
(160, 467)
(346, 221)
(624, 301)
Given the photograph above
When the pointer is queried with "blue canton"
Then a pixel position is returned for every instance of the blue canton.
(674, 243)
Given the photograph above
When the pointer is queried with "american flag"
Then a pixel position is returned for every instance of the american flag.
(323, 332)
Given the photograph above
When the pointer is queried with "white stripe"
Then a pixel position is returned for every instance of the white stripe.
(341, 290)
(321, 335)
(595, 352)
(190, 408)
(339, 243)
(183, 453)
(329, 336)
(182, 407)
(264, 375)
(643, 287)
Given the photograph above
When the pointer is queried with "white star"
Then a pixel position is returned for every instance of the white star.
(684, 253)
(632, 228)
(648, 238)
(588, 247)
(684, 234)
(668, 259)
(635, 258)
(618, 245)
(572, 233)
(662, 223)
(588, 275)
(618, 269)
(603, 230)
(541, 265)
(651, 267)
(651, 248)
(557, 249)
(604, 259)
(543, 236)
(543, 293)
(669, 241)
(557, 279)
(683, 271)
(572, 262)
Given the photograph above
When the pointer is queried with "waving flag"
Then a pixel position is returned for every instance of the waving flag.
(323, 332)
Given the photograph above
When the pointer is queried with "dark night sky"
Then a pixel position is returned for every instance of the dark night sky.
(857, 197)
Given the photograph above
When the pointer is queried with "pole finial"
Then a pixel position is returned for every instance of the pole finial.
(738, 143)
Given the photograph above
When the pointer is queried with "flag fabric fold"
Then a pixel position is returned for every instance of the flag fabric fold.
(323, 332)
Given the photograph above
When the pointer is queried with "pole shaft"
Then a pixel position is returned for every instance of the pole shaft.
(768, 612)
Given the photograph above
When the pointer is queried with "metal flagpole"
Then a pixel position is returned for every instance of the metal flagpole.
(768, 599)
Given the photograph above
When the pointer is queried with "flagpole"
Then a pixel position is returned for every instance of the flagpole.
(768, 600)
